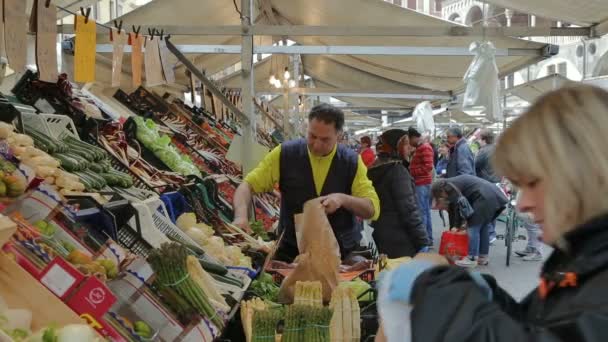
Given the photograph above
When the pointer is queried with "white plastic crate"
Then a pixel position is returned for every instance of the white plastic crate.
(54, 125)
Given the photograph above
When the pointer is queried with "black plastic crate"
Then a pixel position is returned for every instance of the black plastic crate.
(132, 240)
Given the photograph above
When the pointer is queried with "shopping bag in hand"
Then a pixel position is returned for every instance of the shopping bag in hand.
(454, 245)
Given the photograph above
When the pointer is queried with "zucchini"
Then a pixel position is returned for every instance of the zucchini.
(105, 165)
(83, 163)
(88, 185)
(41, 140)
(124, 180)
(111, 179)
(93, 183)
(98, 152)
(213, 267)
(227, 280)
(67, 163)
(86, 154)
(97, 178)
(95, 167)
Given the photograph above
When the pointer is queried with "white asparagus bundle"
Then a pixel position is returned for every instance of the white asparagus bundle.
(346, 320)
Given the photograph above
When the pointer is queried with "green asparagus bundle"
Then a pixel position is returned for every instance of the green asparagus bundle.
(265, 325)
(169, 264)
(305, 323)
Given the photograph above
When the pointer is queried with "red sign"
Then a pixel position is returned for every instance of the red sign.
(93, 298)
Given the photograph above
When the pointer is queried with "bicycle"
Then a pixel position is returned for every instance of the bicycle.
(512, 223)
(511, 228)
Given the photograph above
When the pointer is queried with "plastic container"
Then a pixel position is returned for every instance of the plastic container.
(53, 125)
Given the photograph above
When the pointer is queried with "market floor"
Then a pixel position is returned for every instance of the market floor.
(519, 278)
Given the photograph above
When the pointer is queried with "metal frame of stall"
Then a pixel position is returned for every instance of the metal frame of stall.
(247, 30)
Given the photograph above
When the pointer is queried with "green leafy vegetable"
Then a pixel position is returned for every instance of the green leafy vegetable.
(265, 288)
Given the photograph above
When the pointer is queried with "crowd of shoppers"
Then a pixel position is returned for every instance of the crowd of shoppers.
(543, 153)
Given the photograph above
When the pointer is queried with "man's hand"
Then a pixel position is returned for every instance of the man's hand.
(333, 202)
(242, 223)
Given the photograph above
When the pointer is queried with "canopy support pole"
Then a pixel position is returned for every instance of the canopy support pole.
(207, 82)
(247, 83)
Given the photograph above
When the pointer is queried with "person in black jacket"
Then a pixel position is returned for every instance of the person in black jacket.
(543, 153)
(485, 199)
(399, 230)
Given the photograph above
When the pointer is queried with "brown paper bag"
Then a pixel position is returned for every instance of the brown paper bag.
(319, 257)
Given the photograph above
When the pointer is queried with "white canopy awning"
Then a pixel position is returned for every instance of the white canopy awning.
(582, 12)
(532, 90)
(431, 72)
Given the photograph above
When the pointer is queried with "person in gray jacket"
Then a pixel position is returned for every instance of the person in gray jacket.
(483, 165)
(461, 160)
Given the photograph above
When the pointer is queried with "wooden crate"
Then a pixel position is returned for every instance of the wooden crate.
(22, 291)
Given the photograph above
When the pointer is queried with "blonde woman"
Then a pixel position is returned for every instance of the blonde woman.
(555, 155)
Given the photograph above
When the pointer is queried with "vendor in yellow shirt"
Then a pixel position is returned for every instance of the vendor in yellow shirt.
(309, 168)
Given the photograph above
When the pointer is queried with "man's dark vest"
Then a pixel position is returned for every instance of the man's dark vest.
(297, 186)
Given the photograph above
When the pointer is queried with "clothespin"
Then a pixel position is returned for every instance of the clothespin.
(136, 31)
(85, 14)
(118, 26)
(47, 3)
(162, 32)
(151, 32)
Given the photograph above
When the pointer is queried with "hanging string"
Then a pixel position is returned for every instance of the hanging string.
(99, 24)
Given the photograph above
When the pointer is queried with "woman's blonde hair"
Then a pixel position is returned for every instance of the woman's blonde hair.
(560, 141)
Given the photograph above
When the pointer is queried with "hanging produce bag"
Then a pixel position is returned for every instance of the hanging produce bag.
(319, 257)
(166, 63)
(154, 71)
(119, 40)
(84, 51)
(454, 245)
(137, 57)
(423, 114)
(45, 25)
(483, 85)
(15, 30)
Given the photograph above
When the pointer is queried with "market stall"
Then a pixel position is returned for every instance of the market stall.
(117, 195)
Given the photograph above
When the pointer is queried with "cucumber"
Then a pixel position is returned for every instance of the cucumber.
(67, 163)
(105, 165)
(213, 267)
(227, 280)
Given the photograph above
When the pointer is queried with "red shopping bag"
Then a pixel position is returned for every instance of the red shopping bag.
(454, 245)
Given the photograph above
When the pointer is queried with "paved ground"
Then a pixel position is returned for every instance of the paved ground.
(520, 277)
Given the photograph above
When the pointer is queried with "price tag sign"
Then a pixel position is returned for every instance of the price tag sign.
(58, 280)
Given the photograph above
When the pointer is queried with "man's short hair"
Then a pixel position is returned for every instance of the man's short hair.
(328, 114)
(455, 131)
(366, 140)
(413, 133)
(488, 136)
